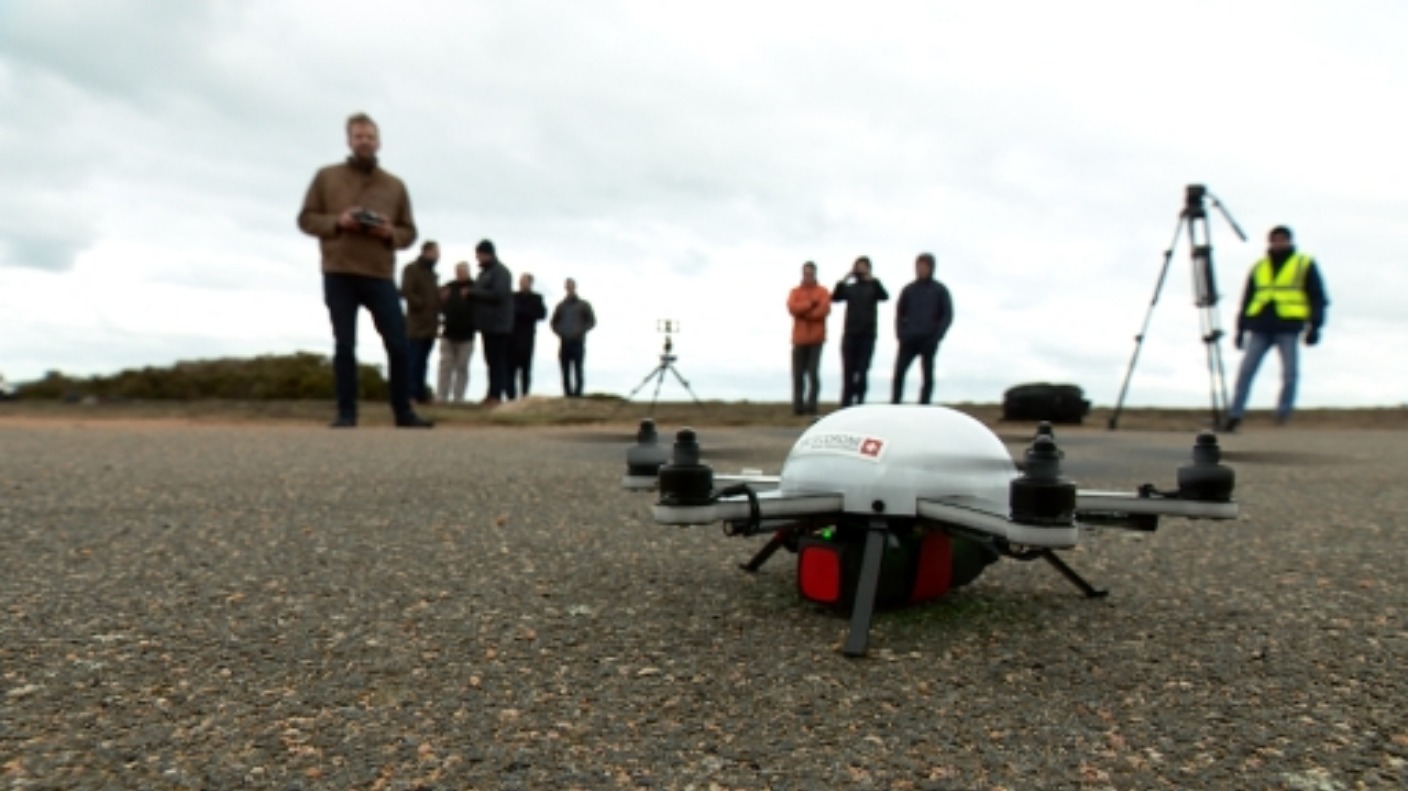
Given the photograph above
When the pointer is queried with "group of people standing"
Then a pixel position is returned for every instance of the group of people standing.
(923, 315)
(506, 321)
(361, 214)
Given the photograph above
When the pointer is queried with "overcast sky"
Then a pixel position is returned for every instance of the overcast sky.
(681, 160)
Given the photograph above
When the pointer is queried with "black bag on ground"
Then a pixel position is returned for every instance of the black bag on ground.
(1044, 401)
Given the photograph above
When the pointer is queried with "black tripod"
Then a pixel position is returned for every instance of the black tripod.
(1195, 217)
(667, 364)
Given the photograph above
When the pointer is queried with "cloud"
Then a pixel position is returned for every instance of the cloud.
(683, 161)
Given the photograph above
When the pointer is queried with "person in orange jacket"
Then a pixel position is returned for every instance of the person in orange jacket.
(809, 305)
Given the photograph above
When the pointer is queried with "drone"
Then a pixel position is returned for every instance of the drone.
(895, 505)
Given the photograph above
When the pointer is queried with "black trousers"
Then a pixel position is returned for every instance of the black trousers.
(570, 356)
(520, 365)
(925, 349)
(806, 367)
(856, 354)
(345, 295)
(496, 361)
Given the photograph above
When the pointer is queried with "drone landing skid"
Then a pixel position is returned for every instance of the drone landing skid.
(1090, 591)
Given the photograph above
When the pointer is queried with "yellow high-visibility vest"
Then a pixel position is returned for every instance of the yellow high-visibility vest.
(1284, 289)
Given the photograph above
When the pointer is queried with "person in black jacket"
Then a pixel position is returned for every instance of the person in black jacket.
(528, 310)
(922, 319)
(457, 335)
(862, 293)
(493, 318)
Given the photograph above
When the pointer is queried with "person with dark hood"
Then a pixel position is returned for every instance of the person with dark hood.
(1284, 301)
(457, 339)
(572, 319)
(528, 310)
(493, 318)
(361, 215)
(421, 290)
(862, 293)
(922, 318)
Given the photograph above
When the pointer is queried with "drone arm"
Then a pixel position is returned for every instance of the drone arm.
(1096, 502)
(995, 526)
(645, 483)
(756, 481)
(769, 505)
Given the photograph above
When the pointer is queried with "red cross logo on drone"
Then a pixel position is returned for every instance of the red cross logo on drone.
(871, 447)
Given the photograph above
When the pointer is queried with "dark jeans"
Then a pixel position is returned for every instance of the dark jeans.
(520, 365)
(924, 349)
(570, 356)
(806, 364)
(496, 362)
(418, 357)
(856, 354)
(344, 296)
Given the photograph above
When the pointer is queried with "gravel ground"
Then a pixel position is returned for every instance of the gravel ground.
(204, 606)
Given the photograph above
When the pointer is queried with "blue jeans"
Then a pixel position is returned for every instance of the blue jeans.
(1258, 344)
(345, 295)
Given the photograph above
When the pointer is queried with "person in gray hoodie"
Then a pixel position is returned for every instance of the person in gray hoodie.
(572, 319)
(493, 318)
(922, 318)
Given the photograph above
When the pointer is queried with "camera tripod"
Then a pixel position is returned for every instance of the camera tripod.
(667, 365)
(1195, 218)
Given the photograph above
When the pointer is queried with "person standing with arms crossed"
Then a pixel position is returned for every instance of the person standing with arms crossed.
(922, 318)
(361, 215)
(809, 304)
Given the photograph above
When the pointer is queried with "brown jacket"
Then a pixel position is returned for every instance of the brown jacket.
(809, 306)
(337, 188)
(422, 292)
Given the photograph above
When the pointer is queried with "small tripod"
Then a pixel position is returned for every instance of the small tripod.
(667, 364)
(1195, 217)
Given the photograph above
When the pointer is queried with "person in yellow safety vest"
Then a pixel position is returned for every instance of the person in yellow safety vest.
(1284, 300)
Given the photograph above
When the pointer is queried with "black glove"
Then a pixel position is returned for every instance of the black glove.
(1240, 341)
(1312, 337)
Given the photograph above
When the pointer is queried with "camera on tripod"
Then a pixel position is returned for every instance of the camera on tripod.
(1194, 219)
(1193, 200)
(667, 327)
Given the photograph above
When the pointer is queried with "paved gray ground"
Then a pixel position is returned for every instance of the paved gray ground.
(288, 607)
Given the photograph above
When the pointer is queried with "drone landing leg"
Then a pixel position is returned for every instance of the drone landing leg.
(1090, 591)
(778, 541)
(864, 607)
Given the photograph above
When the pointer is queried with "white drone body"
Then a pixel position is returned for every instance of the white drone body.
(887, 459)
